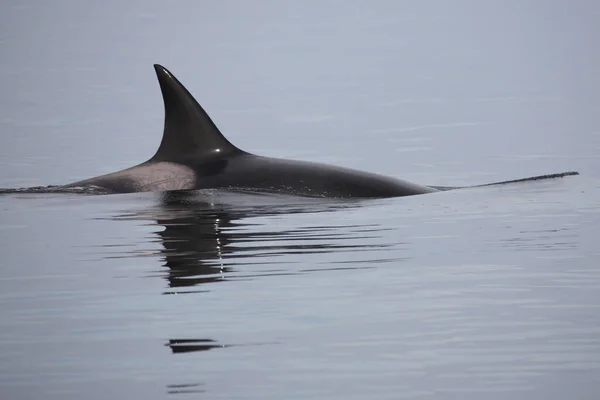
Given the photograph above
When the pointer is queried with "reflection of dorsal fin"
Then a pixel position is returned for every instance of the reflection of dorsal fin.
(189, 133)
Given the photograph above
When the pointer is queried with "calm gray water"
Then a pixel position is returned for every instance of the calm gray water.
(478, 293)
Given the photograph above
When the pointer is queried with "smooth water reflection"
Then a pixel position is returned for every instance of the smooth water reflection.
(490, 290)
(205, 242)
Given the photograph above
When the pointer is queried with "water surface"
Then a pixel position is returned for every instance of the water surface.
(490, 292)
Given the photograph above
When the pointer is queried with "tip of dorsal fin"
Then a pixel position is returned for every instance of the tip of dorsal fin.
(189, 133)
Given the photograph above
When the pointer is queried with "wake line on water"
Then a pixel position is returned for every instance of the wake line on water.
(534, 178)
(58, 189)
(97, 190)
(521, 180)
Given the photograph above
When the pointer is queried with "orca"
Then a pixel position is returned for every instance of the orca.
(194, 154)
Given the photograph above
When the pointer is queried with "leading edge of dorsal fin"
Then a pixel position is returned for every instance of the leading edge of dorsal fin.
(189, 133)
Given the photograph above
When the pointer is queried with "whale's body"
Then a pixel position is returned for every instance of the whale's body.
(194, 154)
(255, 173)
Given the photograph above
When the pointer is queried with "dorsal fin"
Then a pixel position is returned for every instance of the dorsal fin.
(189, 133)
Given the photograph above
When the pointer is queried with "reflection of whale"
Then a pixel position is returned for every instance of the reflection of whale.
(194, 154)
(194, 243)
(207, 236)
(204, 241)
(186, 388)
(191, 345)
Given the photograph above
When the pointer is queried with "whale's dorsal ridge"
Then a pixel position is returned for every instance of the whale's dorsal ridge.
(189, 133)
